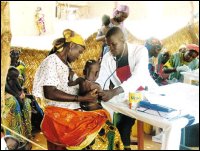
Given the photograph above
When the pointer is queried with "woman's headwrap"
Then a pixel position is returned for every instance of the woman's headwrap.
(121, 8)
(182, 46)
(193, 47)
(153, 43)
(69, 36)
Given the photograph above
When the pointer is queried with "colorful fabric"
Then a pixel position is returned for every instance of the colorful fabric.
(160, 71)
(108, 138)
(39, 18)
(193, 47)
(12, 117)
(21, 68)
(71, 36)
(151, 65)
(159, 67)
(121, 8)
(177, 60)
(74, 129)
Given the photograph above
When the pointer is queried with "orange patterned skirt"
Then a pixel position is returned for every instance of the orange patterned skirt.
(73, 129)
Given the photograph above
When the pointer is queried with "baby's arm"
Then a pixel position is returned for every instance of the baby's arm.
(70, 78)
(71, 74)
(77, 81)
(101, 34)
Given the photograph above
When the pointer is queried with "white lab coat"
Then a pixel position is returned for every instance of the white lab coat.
(138, 62)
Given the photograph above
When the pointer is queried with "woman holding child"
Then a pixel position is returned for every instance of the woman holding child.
(15, 116)
(65, 123)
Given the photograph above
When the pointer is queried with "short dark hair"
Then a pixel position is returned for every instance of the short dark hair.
(106, 20)
(13, 72)
(113, 31)
(14, 53)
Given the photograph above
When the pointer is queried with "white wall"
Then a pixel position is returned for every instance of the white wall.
(149, 18)
(22, 17)
(146, 19)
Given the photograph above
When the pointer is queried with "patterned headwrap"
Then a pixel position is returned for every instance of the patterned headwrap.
(193, 47)
(121, 8)
(153, 43)
(69, 36)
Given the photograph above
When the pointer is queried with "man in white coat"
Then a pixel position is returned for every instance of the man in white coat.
(126, 67)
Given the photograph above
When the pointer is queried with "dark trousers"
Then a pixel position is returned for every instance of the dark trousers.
(124, 124)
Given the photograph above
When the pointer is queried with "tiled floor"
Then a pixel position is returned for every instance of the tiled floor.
(148, 144)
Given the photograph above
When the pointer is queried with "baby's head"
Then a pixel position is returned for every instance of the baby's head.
(106, 20)
(13, 73)
(91, 70)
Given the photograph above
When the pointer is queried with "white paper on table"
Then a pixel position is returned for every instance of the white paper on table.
(180, 96)
(163, 99)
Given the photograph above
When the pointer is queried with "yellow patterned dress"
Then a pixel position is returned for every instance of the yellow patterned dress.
(13, 119)
(12, 116)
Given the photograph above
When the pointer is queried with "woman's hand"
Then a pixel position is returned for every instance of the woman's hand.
(90, 97)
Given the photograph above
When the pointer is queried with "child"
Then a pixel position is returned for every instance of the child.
(161, 76)
(87, 84)
(105, 24)
(102, 32)
(13, 86)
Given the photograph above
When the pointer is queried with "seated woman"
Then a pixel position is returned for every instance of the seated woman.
(86, 84)
(182, 62)
(14, 55)
(154, 46)
(12, 117)
(64, 122)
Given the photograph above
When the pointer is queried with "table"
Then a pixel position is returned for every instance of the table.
(183, 95)
(191, 77)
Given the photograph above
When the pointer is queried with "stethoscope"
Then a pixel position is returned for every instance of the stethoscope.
(117, 60)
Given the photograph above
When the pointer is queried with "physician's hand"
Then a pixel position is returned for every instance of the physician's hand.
(106, 95)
